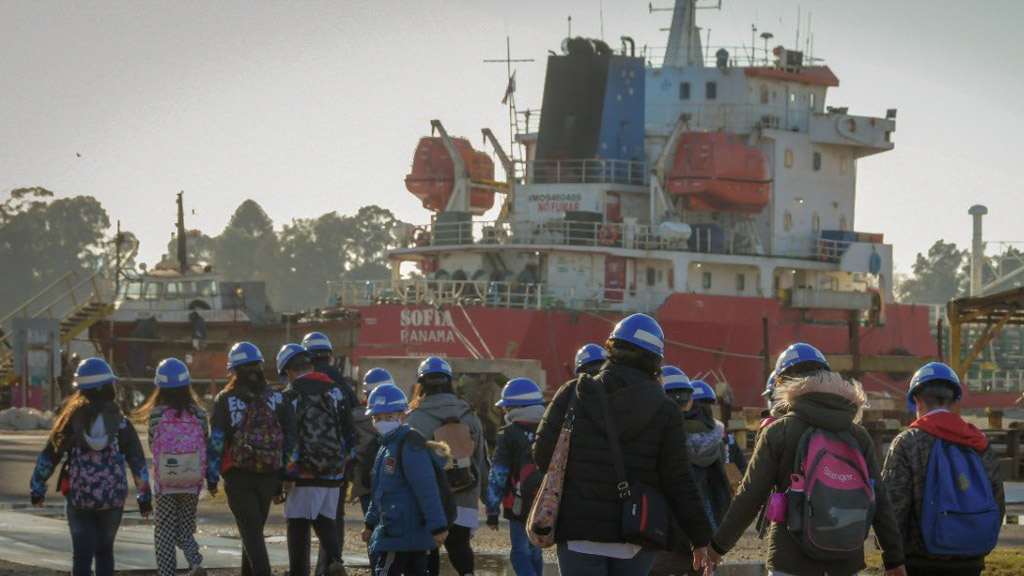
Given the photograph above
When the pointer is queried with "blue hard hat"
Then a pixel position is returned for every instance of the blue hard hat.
(377, 377)
(587, 354)
(287, 353)
(386, 398)
(703, 392)
(934, 372)
(520, 392)
(93, 373)
(171, 373)
(434, 365)
(769, 386)
(799, 353)
(243, 353)
(675, 379)
(643, 331)
(316, 341)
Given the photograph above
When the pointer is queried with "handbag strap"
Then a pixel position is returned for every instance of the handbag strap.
(613, 442)
(570, 412)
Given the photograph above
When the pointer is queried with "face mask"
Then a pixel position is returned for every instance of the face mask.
(385, 427)
(508, 418)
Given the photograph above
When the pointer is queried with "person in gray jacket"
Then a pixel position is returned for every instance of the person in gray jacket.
(435, 405)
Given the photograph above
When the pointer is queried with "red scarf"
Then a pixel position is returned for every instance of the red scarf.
(952, 428)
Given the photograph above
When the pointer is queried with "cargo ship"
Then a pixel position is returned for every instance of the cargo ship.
(713, 189)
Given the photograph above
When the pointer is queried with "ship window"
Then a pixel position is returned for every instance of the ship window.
(661, 276)
(188, 289)
(741, 282)
(811, 100)
(706, 280)
(817, 222)
(842, 165)
(153, 290)
(787, 221)
(817, 160)
(789, 157)
(133, 291)
(711, 90)
(842, 223)
(172, 291)
(684, 90)
(651, 274)
(792, 96)
(207, 288)
(764, 93)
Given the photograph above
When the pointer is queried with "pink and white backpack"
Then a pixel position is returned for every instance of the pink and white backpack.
(179, 452)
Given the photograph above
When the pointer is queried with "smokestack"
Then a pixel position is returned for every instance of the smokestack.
(977, 249)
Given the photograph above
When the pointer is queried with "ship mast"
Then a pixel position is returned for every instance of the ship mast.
(684, 38)
(182, 253)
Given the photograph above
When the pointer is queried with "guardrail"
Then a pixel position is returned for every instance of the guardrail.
(439, 292)
(589, 171)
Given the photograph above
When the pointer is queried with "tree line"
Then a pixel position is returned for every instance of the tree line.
(43, 237)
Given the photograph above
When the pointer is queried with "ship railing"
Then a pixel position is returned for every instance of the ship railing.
(552, 232)
(434, 292)
(738, 118)
(587, 171)
(995, 381)
(745, 56)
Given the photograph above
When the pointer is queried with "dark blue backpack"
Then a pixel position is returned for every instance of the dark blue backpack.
(959, 515)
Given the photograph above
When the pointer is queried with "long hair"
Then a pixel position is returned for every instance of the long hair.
(428, 386)
(84, 405)
(178, 399)
(627, 354)
(249, 376)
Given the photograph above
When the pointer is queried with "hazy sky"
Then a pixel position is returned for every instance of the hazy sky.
(309, 107)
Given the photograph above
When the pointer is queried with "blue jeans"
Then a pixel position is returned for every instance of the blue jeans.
(578, 564)
(527, 559)
(92, 536)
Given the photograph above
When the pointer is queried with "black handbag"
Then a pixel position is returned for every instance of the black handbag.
(646, 517)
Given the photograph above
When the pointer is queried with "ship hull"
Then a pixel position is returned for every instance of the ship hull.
(705, 333)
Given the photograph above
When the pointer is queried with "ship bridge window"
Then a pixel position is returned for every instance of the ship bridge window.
(811, 100)
(153, 291)
(133, 290)
(651, 276)
(207, 288)
(172, 291)
(711, 90)
(705, 280)
(741, 282)
(684, 90)
(764, 93)
(188, 289)
(817, 160)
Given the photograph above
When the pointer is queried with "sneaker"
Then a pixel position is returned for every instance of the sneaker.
(337, 569)
(198, 571)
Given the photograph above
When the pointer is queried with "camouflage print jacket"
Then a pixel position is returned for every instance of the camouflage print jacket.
(904, 478)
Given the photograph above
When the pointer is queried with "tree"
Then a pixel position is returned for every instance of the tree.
(937, 276)
(42, 238)
(247, 249)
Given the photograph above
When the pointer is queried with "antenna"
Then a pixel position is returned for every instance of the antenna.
(601, 13)
(570, 26)
(766, 36)
(796, 43)
(182, 250)
(510, 92)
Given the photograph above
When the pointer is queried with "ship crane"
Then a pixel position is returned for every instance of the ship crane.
(463, 181)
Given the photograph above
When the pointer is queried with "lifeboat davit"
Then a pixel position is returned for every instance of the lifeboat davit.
(718, 172)
(432, 179)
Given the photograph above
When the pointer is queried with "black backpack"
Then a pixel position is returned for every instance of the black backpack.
(321, 445)
(526, 477)
(440, 476)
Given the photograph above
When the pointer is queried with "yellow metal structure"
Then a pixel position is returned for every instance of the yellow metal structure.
(992, 312)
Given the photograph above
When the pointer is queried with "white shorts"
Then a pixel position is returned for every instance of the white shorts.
(308, 502)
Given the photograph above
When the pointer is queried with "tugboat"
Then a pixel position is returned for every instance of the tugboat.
(716, 194)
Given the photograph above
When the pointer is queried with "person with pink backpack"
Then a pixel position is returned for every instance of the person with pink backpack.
(178, 432)
(816, 468)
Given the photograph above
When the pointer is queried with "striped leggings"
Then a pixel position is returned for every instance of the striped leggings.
(175, 528)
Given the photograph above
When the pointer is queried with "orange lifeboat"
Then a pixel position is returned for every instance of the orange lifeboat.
(718, 172)
(432, 178)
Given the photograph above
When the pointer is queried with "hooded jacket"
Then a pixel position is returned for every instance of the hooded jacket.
(365, 451)
(511, 455)
(650, 429)
(428, 417)
(905, 473)
(405, 509)
(314, 384)
(826, 401)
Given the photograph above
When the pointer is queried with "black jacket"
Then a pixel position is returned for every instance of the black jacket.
(650, 428)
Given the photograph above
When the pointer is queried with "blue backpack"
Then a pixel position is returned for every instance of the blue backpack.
(959, 515)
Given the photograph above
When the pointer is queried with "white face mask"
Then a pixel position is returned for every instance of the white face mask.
(385, 427)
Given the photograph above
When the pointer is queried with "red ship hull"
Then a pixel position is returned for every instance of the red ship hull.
(705, 333)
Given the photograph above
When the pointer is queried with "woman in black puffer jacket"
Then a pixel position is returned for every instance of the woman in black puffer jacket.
(650, 430)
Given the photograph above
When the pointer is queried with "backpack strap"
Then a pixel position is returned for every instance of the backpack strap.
(613, 442)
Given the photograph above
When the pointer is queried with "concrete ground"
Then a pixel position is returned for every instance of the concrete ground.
(37, 543)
